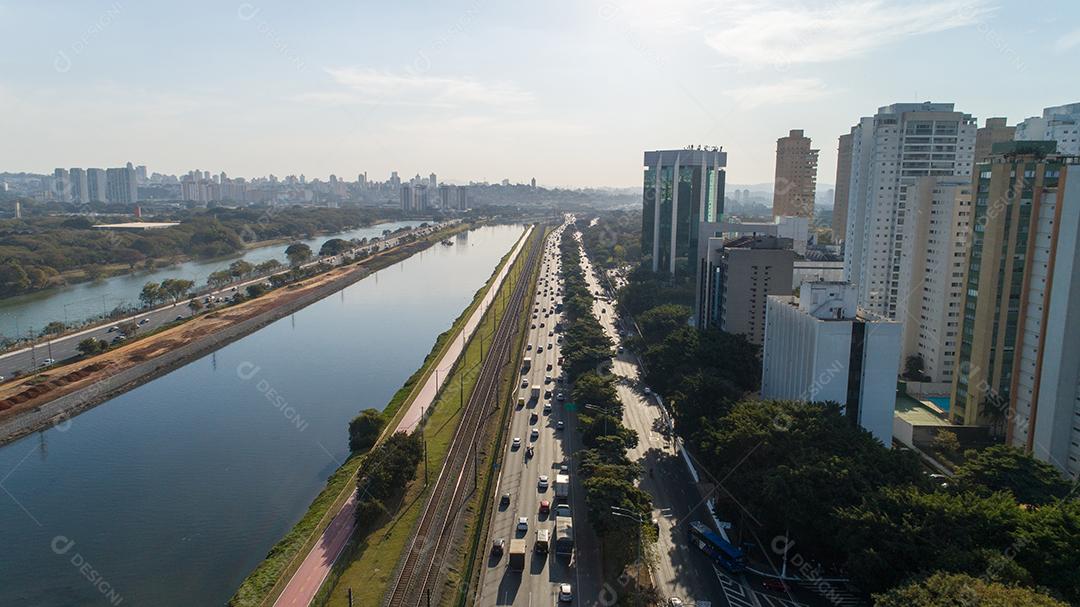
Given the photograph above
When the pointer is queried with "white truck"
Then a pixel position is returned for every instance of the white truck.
(562, 487)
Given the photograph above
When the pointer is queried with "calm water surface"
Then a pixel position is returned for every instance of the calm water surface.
(173, 492)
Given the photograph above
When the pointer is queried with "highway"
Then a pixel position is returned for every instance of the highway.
(43, 355)
(539, 582)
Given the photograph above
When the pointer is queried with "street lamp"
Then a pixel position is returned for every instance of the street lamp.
(634, 516)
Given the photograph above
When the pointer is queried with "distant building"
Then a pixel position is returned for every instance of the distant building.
(682, 189)
(406, 193)
(820, 347)
(62, 185)
(1019, 358)
(462, 198)
(1059, 123)
(80, 186)
(97, 185)
(796, 176)
(893, 148)
(843, 184)
(121, 186)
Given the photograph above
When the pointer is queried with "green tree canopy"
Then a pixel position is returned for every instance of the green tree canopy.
(959, 590)
(364, 429)
(298, 253)
(1005, 468)
(334, 246)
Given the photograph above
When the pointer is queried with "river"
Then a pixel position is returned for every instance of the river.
(26, 315)
(171, 493)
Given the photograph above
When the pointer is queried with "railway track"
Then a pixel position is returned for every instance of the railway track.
(418, 575)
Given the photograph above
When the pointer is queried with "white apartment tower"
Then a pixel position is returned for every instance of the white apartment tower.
(890, 151)
(1059, 123)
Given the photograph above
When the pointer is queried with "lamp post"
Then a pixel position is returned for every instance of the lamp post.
(634, 516)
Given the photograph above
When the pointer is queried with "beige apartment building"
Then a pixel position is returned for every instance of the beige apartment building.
(796, 176)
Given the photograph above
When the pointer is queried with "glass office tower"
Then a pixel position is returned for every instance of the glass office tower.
(682, 188)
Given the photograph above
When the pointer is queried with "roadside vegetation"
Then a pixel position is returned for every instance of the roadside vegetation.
(609, 477)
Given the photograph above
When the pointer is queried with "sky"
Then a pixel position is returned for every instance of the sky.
(570, 92)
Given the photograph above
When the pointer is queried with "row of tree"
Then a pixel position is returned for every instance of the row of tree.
(173, 289)
(610, 478)
(384, 475)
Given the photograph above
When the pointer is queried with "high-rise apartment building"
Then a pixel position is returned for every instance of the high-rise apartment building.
(820, 347)
(1059, 123)
(796, 176)
(80, 187)
(62, 185)
(1019, 358)
(121, 186)
(96, 185)
(893, 148)
(933, 261)
(682, 189)
(843, 184)
(994, 130)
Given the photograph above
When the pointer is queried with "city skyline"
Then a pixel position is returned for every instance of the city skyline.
(380, 100)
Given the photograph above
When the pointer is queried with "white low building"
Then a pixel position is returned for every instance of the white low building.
(821, 347)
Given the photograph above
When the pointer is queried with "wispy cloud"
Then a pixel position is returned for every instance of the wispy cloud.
(1068, 41)
(784, 33)
(371, 86)
(786, 91)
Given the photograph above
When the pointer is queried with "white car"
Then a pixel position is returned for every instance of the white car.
(566, 593)
(523, 523)
(524, 383)
(517, 442)
(542, 481)
(535, 434)
(559, 425)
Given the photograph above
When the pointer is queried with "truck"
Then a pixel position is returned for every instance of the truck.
(526, 364)
(536, 393)
(543, 537)
(516, 561)
(562, 487)
(564, 536)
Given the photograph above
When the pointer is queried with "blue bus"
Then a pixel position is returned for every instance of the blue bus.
(732, 559)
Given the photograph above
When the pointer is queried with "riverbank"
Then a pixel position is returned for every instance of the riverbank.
(266, 582)
(43, 400)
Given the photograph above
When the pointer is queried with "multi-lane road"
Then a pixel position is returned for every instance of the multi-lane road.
(544, 425)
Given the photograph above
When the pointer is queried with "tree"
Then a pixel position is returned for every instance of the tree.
(13, 278)
(951, 590)
(151, 294)
(176, 288)
(298, 253)
(240, 268)
(1048, 545)
(90, 346)
(268, 266)
(1005, 468)
(656, 323)
(195, 306)
(219, 278)
(256, 289)
(913, 368)
(599, 390)
(364, 429)
(946, 442)
(334, 246)
(53, 328)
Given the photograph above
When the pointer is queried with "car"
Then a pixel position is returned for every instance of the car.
(144, 321)
(675, 602)
(516, 443)
(539, 349)
(774, 585)
(528, 346)
(549, 366)
(621, 349)
(541, 325)
(547, 408)
(566, 593)
(525, 383)
(542, 481)
(562, 510)
(523, 523)
(532, 417)
(535, 433)
(118, 339)
(559, 425)
(547, 379)
(497, 546)
(545, 507)
(551, 333)
(179, 318)
(113, 329)
(560, 395)
(648, 390)
(534, 325)
(504, 500)
(47, 362)
(564, 469)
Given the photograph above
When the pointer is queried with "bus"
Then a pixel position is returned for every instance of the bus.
(719, 550)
